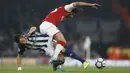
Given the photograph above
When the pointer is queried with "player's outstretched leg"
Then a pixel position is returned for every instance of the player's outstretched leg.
(75, 56)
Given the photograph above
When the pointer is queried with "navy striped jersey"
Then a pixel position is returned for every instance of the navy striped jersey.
(36, 41)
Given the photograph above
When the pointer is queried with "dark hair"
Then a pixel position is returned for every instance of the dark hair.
(16, 38)
(74, 12)
(77, 10)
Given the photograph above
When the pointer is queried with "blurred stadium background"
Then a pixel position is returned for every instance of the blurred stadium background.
(104, 32)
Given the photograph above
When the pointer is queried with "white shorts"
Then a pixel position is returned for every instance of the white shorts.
(51, 30)
(48, 28)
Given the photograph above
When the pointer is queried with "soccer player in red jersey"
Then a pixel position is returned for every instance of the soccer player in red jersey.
(55, 17)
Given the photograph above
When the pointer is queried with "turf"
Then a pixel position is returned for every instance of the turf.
(48, 69)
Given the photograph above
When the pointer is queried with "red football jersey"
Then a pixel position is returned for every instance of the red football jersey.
(56, 16)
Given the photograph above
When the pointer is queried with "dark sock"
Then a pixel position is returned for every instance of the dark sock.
(73, 55)
(57, 62)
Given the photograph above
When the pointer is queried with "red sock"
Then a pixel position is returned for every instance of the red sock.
(62, 43)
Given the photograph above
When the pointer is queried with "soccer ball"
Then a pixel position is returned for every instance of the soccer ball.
(100, 63)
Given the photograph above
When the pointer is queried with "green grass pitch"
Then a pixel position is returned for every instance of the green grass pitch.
(48, 69)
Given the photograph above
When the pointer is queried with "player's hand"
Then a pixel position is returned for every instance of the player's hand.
(96, 6)
(19, 68)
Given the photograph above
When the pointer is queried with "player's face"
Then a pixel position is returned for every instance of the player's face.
(23, 40)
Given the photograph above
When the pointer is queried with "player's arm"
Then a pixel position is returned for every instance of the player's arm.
(86, 4)
(21, 50)
(71, 6)
(19, 62)
(32, 29)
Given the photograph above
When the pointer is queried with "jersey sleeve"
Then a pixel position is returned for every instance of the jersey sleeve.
(69, 7)
(21, 50)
